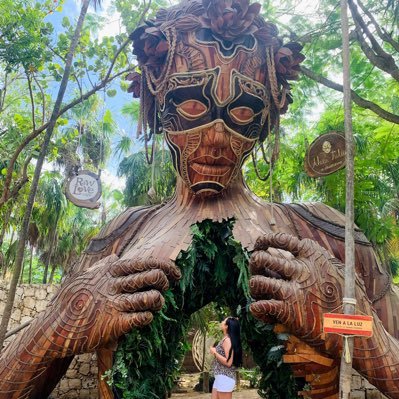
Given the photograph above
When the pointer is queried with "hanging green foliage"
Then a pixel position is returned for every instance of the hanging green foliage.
(214, 269)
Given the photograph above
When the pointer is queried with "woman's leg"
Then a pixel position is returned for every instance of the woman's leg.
(225, 395)
(214, 394)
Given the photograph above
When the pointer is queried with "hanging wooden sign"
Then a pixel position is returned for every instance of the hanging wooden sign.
(84, 189)
(325, 155)
(348, 324)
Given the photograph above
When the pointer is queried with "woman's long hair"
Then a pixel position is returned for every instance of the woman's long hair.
(233, 331)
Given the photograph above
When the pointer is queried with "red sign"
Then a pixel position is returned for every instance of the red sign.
(348, 324)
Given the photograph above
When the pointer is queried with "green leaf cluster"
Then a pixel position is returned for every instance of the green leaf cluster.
(214, 270)
(24, 34)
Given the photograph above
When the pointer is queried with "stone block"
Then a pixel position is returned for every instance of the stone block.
(29, 291)
(71, 395)
(41, 306)
(374, 394)
(40, 293)
(3, 294)
(85, 357)
(89, 383)
(71, 373)
(63, 386)
(75, 383)
(367, 385)
(358, 395)
(26, 312)
(52, 289)
(84, 369)
(357, 382)
(16, 315)
(29, 302)
(24, 319)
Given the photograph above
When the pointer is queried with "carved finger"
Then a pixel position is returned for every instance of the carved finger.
(127, 321)
(137, 282)
(139, 301)
(262, 287)
(124, 267)
(263, 310)
(262, 262)
(300, 248)
(279, 240)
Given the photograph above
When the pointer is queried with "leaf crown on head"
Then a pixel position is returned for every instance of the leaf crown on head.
(229, 20)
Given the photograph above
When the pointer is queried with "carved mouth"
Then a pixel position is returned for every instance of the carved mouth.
(210, 170)
(209, 159)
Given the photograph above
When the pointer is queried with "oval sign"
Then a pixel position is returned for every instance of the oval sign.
(84, 189)
(325, 155)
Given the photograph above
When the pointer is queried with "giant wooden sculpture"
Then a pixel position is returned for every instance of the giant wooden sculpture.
(214, 82)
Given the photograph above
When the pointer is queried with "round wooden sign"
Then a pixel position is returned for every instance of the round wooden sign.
(84, 189)
(325, 155)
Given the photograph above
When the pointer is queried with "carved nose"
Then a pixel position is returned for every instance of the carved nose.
(216, 152)
(219, 128)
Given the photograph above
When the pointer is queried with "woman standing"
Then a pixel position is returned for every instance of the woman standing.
(228, 356)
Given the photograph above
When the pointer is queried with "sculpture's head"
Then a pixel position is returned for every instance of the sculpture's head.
(214, 80)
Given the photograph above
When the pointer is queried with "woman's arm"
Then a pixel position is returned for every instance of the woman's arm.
(226, 348)
(222, 359)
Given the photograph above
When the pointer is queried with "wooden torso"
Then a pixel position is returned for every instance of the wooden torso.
(163, 231)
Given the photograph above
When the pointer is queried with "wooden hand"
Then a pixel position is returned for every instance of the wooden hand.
(296, 287)
(91, 311)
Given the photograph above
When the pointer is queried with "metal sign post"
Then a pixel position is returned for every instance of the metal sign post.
(349, 300)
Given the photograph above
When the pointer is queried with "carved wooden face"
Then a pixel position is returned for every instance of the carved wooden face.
(213, 108)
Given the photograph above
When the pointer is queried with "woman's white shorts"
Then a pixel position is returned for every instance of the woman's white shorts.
(223, 383)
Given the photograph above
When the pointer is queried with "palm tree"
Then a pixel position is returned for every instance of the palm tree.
(140, 177)
(54, 202)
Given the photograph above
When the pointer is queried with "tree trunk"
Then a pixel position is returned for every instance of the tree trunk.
(50, 252)
(21, 279)
(349, 300)
(6, 263)
(30, 265)
(5, 224)
(32, 194)
(51, 278)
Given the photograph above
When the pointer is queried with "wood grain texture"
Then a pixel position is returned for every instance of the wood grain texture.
(310, 282)
(91, 311)
(215, 78)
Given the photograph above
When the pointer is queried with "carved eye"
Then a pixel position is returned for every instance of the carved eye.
(242, 115)
(192, 109)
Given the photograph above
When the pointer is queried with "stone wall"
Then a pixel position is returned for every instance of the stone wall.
(362, 389)
(80, 380)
